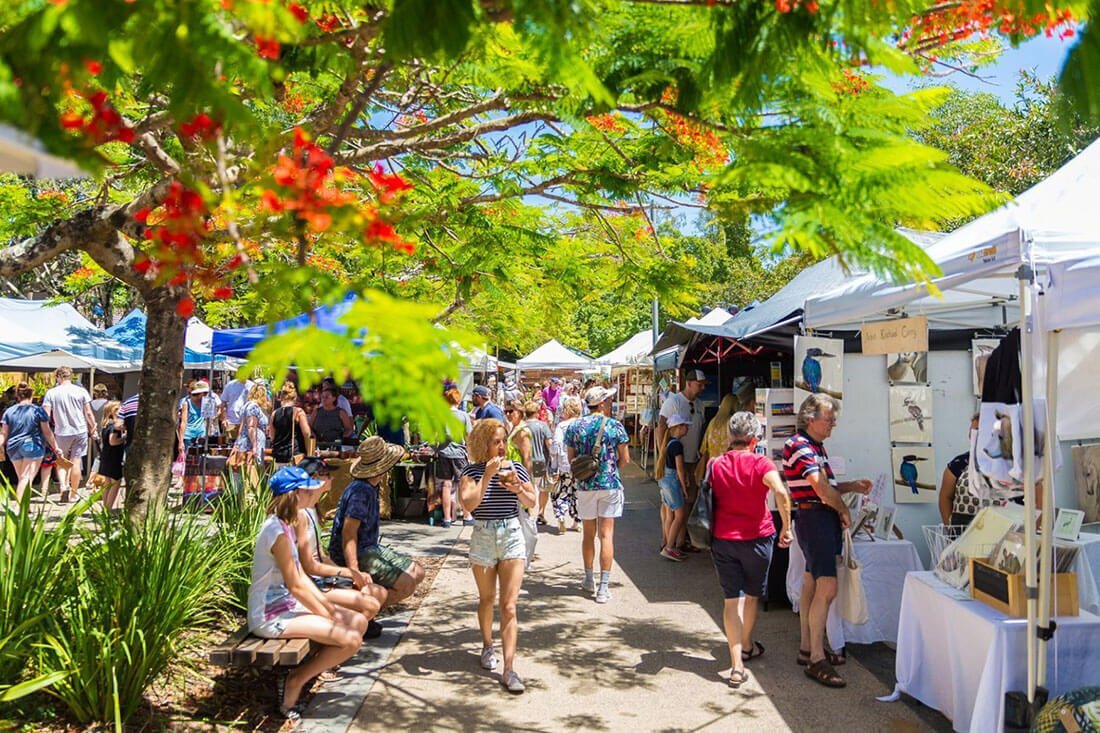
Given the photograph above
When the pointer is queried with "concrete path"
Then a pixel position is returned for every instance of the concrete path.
(653, 659)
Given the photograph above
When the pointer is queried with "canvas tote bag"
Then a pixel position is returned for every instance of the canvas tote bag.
(850, 594)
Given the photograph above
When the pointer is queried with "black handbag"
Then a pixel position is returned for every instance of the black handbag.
(584, 467)
(700, 525)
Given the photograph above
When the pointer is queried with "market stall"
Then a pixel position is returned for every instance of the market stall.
(632, 373)
(553, 359)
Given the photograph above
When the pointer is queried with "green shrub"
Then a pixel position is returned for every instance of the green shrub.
(237, 518)
(36, 573)
(138, 585)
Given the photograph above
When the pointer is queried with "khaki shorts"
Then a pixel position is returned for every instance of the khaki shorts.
(384, 565)
(73, 447)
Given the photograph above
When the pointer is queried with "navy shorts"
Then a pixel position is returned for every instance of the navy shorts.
(819, 538)
(742, 565)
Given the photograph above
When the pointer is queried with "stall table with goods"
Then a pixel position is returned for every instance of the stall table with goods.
(885, 563)
(960, 656)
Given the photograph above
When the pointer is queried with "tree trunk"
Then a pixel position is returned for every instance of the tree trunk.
(149, 461)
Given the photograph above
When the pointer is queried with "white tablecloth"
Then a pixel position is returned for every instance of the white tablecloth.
(885, 563)
(961, 656)
(1087, 567)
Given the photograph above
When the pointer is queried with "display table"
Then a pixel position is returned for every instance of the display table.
(1087, 567)
(885, 563)
(960, 656)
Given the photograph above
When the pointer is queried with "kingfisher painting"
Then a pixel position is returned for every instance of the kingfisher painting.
(909, 472)
(811, 368)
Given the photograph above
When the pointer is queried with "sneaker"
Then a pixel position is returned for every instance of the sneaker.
(588, 585)
(468, 522)
(488, 658)
(446, 524)
(512, 682)
(603, 595)
(671, 553)
(541, 521)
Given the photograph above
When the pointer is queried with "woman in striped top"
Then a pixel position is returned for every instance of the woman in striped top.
(494, 487)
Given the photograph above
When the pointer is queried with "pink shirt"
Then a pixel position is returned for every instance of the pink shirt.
(740, 496)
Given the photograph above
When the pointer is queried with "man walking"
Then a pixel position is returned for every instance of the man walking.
(542, 441)
(685, 403)
(483, 401)
(235, 397)
(70, 407)
(600, 498)
(820, 516)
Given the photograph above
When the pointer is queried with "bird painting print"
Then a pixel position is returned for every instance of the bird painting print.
(819, 367)
(914, 474)
(907, 367)
(910, 413)
(1086, 476)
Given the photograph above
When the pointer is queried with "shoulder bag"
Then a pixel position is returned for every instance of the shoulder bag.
(584, 467)
(850, 594)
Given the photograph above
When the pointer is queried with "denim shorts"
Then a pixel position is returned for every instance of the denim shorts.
(493, 540)
(25, 450)
(672, 493)
(819, 538)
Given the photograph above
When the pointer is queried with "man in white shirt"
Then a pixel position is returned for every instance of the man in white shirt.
(685, 403)
(235, 397)
(70, 407)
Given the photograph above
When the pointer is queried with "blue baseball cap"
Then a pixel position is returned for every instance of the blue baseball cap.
(290, 478)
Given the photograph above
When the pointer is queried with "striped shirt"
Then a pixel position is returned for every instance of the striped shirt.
(498, 502)
(802, 457)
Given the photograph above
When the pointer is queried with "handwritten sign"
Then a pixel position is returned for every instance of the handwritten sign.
(892, 337)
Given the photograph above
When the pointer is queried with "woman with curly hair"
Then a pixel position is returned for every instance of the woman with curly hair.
(493, 488)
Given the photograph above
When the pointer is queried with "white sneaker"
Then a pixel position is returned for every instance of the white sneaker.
(512, 682)
(488, 658)
(588, 585)
(603, 595)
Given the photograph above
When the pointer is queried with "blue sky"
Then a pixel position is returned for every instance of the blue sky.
(1042, 55)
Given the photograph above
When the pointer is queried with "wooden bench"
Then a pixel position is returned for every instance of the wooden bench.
(241, 649)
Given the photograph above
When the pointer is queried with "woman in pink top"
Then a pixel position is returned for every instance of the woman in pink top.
(744, 534)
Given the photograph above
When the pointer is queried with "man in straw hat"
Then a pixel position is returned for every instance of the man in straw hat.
(354, 543)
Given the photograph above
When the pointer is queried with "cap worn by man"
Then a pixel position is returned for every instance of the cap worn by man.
(289, 478)
(481, 391)
(695, 375)
(376, 457)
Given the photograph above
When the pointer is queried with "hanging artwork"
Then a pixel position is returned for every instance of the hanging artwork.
(1086, 475)
(884, 523)
(911, 414)
(914, 474)
(819, 368)
(907, 367)
(980, 349)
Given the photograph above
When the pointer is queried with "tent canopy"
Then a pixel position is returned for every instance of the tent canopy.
(1055, 220)
(239, 342)
(553, 355)
(39, 335)
(635, 350)
(130, 330)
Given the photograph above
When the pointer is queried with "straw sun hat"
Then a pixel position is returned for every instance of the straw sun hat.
(376, 457)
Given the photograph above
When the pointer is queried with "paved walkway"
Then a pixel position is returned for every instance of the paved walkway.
(652, 659)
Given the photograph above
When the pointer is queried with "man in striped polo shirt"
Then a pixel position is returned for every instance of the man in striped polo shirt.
(820, 516)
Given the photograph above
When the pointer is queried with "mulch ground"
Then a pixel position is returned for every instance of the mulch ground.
(194, 695)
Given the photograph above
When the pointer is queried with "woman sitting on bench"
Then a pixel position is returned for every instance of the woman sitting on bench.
(283, 603)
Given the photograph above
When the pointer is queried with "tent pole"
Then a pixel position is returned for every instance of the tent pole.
(1025, 277)
(1046, 556)
(91, 443)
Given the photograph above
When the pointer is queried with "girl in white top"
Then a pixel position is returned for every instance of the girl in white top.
(283, 603)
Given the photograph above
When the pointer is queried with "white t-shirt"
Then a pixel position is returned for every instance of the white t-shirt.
(343, 403)
(268, 596)
(235, 395)
(65, 404)
(691, 410)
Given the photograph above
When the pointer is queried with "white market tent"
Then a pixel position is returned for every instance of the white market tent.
(1031, 255)
(553, 355)
(38, 335)
(632, 352)
(713, 317)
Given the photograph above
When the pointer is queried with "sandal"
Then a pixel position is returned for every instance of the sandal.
(738, 678)
(803, 659)
(823, 673)
(294, 712)
(756, 650)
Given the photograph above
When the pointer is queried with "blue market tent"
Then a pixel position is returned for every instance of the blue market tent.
(130, 330)
(39, 335)
(239, 342)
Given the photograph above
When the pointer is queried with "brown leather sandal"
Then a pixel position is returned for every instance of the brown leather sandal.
(823, 673)
(738, 678)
